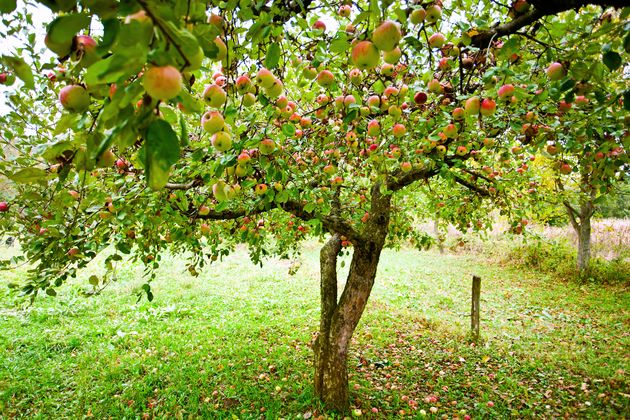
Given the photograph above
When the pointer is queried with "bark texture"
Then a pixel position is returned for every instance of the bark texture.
(339, 317)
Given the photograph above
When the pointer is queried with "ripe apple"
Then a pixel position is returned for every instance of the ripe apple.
(204, 210)
(392, 56)
(214, 95)
(461, 150)
(72, 252)
(506, 91)
(265, 78)
(436, 40)
(552, 149)
(581, 100)
(162, 83)
(433, 13)
(444, 64)
(249, 99)
(473, 105)
(243, 84)
(220, 191)
(275, 89)
(390, 91)
(459, 114)
(107, 159)
(399, 130)
(266, 147)
(4, 206)
(386, 36)
(344, 10)
(85, 50)
(3, 78)
(451, 131)
(260, 189)
(374, 101)
(555, 71)
(212, 121)
(564, 106)
(319, 25)
(355, 76)
(216, 21)
(221, 49)
(122, 164)
(74, 98)
(309, 72)
(434, 86)
(387, 70)
(418, 16)
(565, 169)
(349, 100)
(325, 78)
(488, 107)
(222, 141)
(420, 98)
(406, 166)
(373, 128)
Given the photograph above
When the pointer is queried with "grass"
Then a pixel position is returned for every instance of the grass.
(235, 341)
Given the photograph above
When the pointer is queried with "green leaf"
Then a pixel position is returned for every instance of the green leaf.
(93, 280)
(64, 28)
(7, 6)
(51, 292)
(28, 175)
(273, 56)
(612, 60)
(21, 69)
(626, 100)
(626, 42)
(288, 129)
(161, 152)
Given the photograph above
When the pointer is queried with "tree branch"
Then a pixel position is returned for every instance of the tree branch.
(400, 179)
(471, 186)
(572, 212)
(541, 9)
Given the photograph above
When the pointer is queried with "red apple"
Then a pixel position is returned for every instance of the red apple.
(74, 98)
(325, 78)
(162, 83)
(488, 107)
(420, 98)
(555, 71)
(386, 36)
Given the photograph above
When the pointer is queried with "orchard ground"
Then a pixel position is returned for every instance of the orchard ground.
(236, 341)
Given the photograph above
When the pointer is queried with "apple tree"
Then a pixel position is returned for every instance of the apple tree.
(189, 127)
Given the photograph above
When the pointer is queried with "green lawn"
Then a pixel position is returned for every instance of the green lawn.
(236, 341)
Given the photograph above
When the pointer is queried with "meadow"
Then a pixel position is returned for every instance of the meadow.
(235, 342)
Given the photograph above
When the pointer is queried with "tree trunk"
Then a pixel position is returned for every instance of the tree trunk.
(584, 237)
(581, 222)
(339, 320)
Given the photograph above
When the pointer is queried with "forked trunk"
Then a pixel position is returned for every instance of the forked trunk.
(581, 221)
(339, 320)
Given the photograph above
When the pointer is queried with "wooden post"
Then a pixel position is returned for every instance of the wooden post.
(474, 310)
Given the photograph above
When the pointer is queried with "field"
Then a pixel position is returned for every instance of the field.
(235, 341)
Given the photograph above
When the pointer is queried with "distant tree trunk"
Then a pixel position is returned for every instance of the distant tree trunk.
(339, 318)
(581, 222)
(438, 236)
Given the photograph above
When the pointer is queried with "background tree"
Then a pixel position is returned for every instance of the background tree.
(319, 119)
